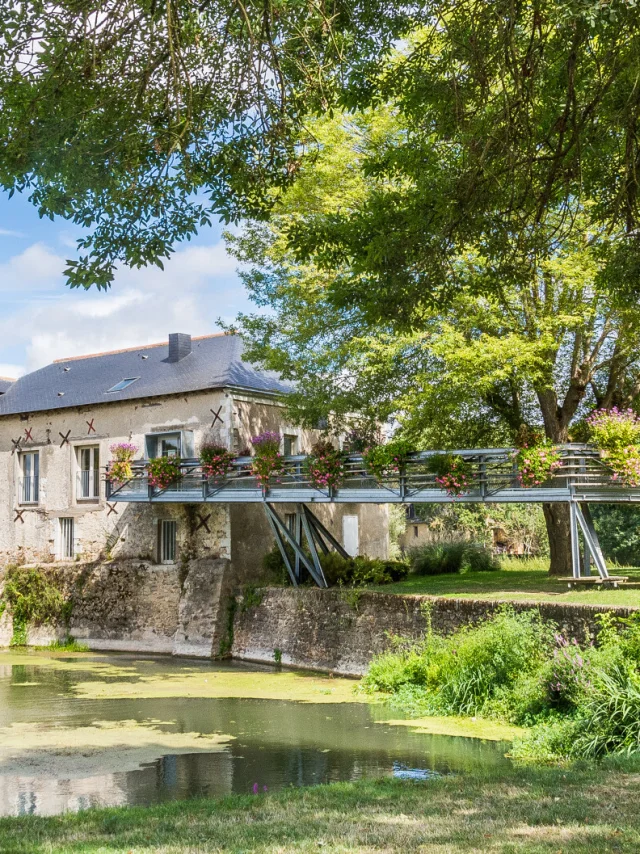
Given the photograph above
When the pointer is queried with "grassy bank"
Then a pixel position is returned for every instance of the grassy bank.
(547, 810)
(517, 581)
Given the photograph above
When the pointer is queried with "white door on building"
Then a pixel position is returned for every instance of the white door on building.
(350, 535)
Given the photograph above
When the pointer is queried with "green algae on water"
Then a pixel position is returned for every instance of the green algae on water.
(284, 685)
(455, 726)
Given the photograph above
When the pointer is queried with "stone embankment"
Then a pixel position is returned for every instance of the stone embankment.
(138, 606)
(189, 609)
(341, 630)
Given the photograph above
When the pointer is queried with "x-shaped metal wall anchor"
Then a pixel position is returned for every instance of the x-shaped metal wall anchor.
(203, 522)
(16, 445)
(65, 438)
(112, 509)
(19, 516)
(28, 435)
(216, 416)
(89, 424)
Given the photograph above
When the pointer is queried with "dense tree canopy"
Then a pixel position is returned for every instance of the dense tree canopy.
(517, 119)
(140, 121)
(541, 345)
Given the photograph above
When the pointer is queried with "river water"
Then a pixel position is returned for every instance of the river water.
(88, 730)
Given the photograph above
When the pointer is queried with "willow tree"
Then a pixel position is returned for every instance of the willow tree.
(541, 344)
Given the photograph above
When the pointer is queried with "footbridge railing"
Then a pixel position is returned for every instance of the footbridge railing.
(493, 476)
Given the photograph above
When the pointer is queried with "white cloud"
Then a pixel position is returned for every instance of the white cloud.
(107, 304)
(7, 232)
(67, 239)
(36, 266)
(47, 321)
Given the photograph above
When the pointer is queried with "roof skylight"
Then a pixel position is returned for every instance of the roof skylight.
(125, 383)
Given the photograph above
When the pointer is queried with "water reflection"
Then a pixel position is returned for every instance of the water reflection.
(274, 743)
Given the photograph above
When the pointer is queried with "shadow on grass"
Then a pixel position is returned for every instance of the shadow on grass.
(535, 810)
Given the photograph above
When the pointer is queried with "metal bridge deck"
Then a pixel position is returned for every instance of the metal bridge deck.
(582, 479)
(495, 479)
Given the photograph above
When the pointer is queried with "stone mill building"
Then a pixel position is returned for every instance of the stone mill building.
(146, 577)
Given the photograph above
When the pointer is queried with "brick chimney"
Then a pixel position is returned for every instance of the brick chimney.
(179, 346)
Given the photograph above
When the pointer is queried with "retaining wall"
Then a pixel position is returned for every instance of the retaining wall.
(137, 606)
(341, 630)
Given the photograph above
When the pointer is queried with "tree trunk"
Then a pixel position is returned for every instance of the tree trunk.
(556, 517)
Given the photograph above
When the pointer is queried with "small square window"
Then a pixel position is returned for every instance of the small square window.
(290, 445)
(122, 384)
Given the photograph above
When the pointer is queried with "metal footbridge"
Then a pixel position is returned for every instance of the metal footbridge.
(582, 479)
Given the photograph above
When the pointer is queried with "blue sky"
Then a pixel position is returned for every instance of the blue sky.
(41, 319)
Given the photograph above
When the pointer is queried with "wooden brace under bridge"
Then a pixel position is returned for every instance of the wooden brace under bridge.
(583, 479)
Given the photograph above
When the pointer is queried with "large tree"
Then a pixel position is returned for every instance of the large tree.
(541, 344)
(141, 120)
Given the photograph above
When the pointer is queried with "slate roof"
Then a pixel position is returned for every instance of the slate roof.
(5, 384)
(215, 362)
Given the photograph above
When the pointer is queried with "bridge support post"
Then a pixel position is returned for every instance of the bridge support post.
(322, 534)
(294, 539)
(302, 545)
(575, 540)
(582, 524)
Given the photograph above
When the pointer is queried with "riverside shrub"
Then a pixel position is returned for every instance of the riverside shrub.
(451, 557)
(461, 674)
(353, 571)
(577, 701)
(32, 598)
(360, 571)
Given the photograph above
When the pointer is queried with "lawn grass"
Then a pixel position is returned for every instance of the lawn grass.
(518, 581)
(532, 810)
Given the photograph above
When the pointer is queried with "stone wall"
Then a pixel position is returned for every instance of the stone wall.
(341, 630)
(137, 606)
